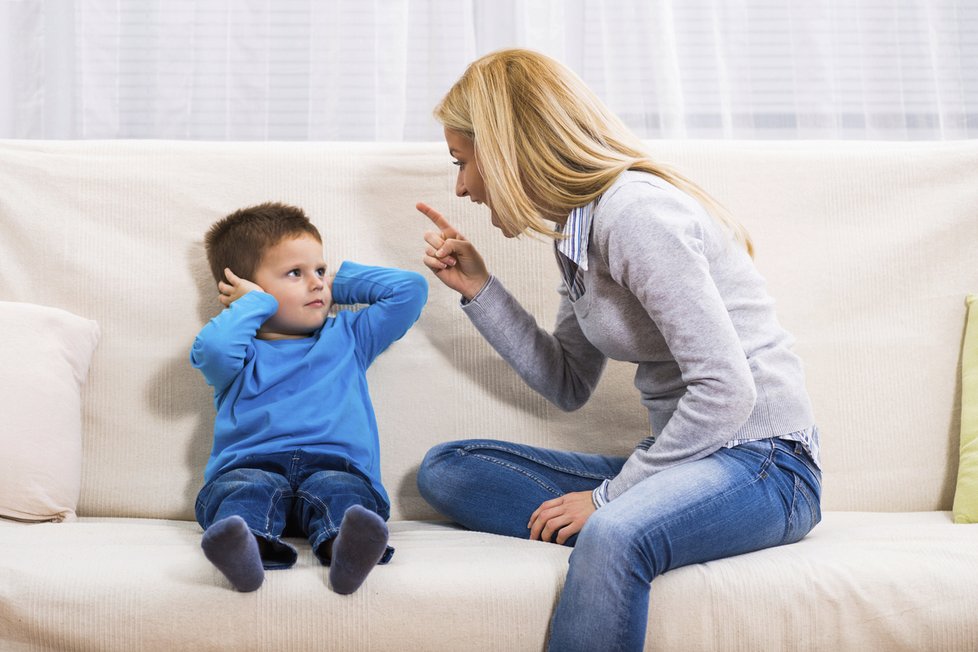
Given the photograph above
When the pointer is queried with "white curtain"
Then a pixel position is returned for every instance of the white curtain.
(373, 69)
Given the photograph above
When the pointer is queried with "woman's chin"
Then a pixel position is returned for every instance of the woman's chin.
(502, 229)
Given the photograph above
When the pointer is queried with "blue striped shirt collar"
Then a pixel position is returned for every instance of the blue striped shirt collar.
(577, 229)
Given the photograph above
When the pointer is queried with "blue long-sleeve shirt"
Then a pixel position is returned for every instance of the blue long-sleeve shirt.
(311, 393)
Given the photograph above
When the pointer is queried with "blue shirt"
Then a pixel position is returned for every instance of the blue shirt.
(311, 393)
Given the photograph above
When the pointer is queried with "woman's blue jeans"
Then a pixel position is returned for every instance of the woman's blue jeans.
(756, 495)
(289, 494)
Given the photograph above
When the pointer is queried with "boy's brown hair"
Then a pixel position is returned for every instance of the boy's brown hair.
(239, 240)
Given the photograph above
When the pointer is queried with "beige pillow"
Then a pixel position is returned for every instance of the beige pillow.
(44, 358)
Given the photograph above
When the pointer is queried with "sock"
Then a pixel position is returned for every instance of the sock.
(231, 546)
(358, 547)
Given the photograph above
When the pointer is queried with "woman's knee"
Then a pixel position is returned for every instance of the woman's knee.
(446, 470)
(435, 470)
(607, 531)
(608, 539)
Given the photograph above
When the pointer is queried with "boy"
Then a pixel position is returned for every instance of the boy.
(296, 448)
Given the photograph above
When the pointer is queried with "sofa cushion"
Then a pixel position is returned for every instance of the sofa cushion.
(859, 581)
(46, 353)
(867, 247)
(966, 493)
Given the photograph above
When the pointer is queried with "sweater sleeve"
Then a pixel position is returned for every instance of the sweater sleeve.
(394, 301)
(563, 366)
(657, 249)
(224, 344)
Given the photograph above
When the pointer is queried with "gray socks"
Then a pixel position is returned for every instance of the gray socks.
(358, 547)
(361, 542)
(231, 546)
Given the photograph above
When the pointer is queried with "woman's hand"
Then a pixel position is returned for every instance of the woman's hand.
(564, 516)
(234, 288)
(452, 258)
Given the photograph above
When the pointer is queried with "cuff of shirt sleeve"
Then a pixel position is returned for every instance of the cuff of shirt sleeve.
(600, 495)
(464, 302)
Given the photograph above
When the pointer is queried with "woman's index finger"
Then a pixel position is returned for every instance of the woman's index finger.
(436, 217)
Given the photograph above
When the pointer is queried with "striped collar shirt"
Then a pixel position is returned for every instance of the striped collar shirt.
(577, 229)
(571, 251)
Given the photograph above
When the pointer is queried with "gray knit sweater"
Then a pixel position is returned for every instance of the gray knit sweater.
(668, 289)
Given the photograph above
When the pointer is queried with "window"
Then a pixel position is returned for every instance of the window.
(361, 70)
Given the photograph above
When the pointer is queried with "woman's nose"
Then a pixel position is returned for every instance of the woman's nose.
(460, 190)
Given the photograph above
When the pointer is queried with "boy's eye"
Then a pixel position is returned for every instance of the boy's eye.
(321, 272)
(294, 272)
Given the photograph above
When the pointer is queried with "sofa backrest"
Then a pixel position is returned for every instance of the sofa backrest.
(868, 248)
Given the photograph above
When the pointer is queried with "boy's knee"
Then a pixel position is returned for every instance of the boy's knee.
(329, 476)
(338, 482)
(244, 477)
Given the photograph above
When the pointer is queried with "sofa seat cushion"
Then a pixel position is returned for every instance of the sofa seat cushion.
(868, 581)
(128, 584)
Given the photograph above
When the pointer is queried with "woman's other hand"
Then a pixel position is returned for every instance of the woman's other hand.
(451, 257)
(563, 516)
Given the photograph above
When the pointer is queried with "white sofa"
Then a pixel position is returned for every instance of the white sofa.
(868, 248)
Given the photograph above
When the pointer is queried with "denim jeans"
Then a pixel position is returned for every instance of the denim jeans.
(295, 493)
(756, 495)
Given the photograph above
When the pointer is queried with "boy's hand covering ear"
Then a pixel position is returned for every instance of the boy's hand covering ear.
(235, 288)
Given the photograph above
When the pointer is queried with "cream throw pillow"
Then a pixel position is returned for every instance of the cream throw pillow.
(965, 507)
(44, 359)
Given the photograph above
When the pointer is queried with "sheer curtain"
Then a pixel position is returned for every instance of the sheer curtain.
(373, 69)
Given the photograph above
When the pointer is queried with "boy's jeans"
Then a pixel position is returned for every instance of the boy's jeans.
(756, 495)
(287, 494)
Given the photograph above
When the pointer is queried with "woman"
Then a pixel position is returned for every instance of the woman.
(656, 273)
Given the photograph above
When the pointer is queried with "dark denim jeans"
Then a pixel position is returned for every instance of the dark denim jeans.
(756, 495)
(296, 493)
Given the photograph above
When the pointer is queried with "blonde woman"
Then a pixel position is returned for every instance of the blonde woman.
(654, 272)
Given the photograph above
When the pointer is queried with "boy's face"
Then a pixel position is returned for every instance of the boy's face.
(293, 271)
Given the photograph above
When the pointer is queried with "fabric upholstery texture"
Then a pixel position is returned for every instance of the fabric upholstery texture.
(845, 234)
(965, 508)
(46, 353)
(449, 589)
(868, 250)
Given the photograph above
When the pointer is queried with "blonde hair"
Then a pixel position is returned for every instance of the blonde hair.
(546, 144)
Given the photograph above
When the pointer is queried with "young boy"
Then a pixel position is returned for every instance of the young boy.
(296, 448)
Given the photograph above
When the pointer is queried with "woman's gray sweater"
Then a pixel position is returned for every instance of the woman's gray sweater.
(666, 287)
